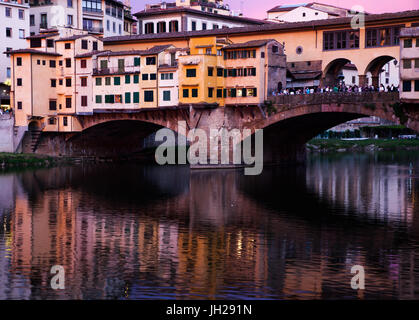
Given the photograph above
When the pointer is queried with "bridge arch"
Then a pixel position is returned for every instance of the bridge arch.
(332, 71)
(375, 68)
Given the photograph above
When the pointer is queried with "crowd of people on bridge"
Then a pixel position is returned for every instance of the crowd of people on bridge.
(341, 88)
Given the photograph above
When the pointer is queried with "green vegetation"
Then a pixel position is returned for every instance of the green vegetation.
(8, 160)
(337, 145)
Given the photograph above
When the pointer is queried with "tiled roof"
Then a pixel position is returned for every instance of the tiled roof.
(160, 11)
(42, 36)
(107, 53)
(249, 44)
(75, 37)
(33, 51)
(275, 27)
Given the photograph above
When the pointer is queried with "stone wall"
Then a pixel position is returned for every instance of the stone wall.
(6, 133)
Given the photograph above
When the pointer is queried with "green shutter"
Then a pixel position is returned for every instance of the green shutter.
(136, 78)
(98, 81)
(127, 78)
(117, 81)
(98, 99)
(136, 61)
(136, 97)
(127, 97)
(108, 81)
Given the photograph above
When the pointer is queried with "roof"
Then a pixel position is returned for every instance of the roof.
(290, 7)
(33, 51)
(409, 32)
(42, 36)
(274, 27)
(109, 53)
(305, 75)
(171, 10)
(75, 37)
(249, 44)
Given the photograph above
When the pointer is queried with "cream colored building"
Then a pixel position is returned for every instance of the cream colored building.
(409, 69)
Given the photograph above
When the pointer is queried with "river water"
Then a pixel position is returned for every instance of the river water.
(145, 232)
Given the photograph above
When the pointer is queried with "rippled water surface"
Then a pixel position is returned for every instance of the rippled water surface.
(141, 232)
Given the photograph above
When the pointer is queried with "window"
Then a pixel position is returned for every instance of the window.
(108, 26)
(417, 85)
(380, 37)
(204, 26)
(136, 61)
(417, 42)
(166, 95)
(19, 82)
(150, 61)
(210, 92)
(68, 82)
(136, 78)
(161, 27)
(60, 82)
(84, 44)
(210, 71)
(136, 97)
(173, 26)
(127, 97)
(304, 14)
(68, 63)
(127, 78)
(166, 76)
(52, 64)
(407, 86)
(94, 43)
(153, 76)
(98, 99)
(338, 40)
(186, 93)
(50, 43)
(69, 19)
(83, 81)
(149, 28)
(107, 81)
(117, 81)
(145, 76)
(219, 93)
(8, 12)
(32, 20)
(275, 49)
(18, 61)
(219, 72)
(19, 105)
(83, 63)
(193, 25)
(65, 121)
(21, 14)
(148, 96)
(67, 45)
(407, 43)
(407, 64)
(194, 93)
(103, 64)
(84, 101)
(416, 63)
(53, 83)
(9, 32)
(262, 55)
(68, 102)
(190, 73)
(43, 62)
(252, 92)
(52, 104)
(51, 121)
(98, 81)
(109, 98)
(69, 3)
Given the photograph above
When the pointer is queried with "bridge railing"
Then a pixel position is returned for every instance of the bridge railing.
(335, 98)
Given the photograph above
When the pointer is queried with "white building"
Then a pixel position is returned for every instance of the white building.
(174, 17)
(305, 12)
(14, 26)
(105, 17)
(388, 77)
(409, 70)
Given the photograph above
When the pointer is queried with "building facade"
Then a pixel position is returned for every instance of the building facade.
(409, 69)
(185, 16)
(14, 25)
(103, 17)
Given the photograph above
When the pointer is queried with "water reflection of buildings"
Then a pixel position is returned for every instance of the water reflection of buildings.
(211, 239)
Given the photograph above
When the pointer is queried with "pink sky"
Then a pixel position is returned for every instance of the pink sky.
(258, 8)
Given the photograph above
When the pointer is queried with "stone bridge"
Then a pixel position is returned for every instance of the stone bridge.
(289, 121)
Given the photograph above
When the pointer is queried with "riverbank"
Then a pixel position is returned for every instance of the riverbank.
(370, 145)
(20, 160)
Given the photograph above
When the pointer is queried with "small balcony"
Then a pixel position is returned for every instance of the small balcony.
(115, 70)
(94, 11)
(93, 29)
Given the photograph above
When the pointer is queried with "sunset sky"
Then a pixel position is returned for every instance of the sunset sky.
(258, 8)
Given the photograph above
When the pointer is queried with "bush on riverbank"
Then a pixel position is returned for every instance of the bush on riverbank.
(337, 145)
(24, 160)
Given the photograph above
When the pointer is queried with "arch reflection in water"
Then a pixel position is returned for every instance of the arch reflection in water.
(152, 232)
